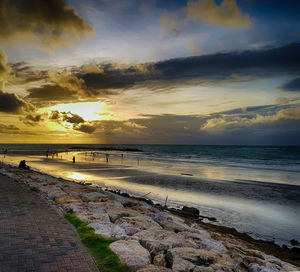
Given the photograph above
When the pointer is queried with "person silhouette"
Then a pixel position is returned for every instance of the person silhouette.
(73, 159)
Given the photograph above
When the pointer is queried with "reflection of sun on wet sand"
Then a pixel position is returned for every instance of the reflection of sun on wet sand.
(144, 229)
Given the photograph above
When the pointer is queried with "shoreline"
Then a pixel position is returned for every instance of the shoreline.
(131, 216)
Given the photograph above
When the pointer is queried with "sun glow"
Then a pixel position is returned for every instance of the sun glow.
(89, 111)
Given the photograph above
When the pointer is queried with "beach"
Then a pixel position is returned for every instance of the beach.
(259, 197)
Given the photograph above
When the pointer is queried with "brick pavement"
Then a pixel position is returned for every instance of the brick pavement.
(34, 237)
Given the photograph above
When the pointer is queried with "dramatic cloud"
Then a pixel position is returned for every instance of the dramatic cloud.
(53, 93)
(72, 118)
(31, 119)
(76, 121)
(226, 14)
(292, 86)
(271, 124)
(10, 103)
(236, 122)
(63, 86)
(261, 63)
(232, 66)
(118, 76)
(51, 22)
(86, 128)
(4, 70)
(69, 117)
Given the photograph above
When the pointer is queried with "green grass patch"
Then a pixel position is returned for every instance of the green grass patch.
(105, 258)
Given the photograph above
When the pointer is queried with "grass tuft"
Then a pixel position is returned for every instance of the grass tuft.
(106, 259)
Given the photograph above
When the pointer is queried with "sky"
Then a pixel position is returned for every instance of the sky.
(150, 72)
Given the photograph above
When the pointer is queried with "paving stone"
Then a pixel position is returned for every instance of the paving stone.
(34, 237)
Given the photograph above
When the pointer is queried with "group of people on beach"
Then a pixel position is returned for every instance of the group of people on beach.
(93, 154)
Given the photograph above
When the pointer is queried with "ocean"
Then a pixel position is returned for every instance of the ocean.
(255, 189)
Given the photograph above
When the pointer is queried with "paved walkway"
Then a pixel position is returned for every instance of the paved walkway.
(34, 237)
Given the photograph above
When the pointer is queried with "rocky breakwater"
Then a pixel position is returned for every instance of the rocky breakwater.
(149, 238)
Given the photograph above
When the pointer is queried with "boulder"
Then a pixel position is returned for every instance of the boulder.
(77, 188)
(202, 241)
(190, 259)
(52, 191)
(137, 223)
(95, 218)
(154, 268)
(160, 240)
(67, 199)
(84, 208)
(172, 223)
(108, 230)
(116, 213)
(94, 197)
(259, 268)
(191, 211)
(131, 253)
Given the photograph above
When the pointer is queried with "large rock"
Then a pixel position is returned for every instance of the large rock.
(194, 212)
(116, 213)
(94, 197)
(160, 240)
(95, 218)
(154, 268)
(190, 259)
(52, 191)
(202, 241)
(108, 230)
(67, 199)
(259, 268)
(131, 253)
(173, 223)
(84, 208)
(74, 188)
(135, 224)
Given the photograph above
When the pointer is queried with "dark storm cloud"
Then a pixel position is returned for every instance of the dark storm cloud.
(72, 118)
(64, 86)
(48, 20)
(52, 93)
(115, 76)
(86, 128)
(24, 73)
(10, 103)
(69, 117)
(263, 62)
(292, 86)
(232, 66)
(54, 116)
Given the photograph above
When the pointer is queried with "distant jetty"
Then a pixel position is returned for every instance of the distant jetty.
(105, 149)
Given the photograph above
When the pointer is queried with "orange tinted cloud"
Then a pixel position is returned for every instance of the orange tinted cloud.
(226, 14)
(50, 24)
